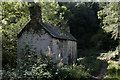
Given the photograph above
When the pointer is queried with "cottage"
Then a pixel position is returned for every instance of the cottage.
(46, 38)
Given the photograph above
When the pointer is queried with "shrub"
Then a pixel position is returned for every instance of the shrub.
(77, 72)
(113, 70)
(42, 68)
(91, 63)
(46, 70)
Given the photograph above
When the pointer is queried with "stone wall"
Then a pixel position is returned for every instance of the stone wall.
(42, 42)
(38, 41)
(64, 50)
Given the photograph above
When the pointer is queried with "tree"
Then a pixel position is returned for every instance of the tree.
(110, 18)
(110, 24)
(15, 16)
(83, 22)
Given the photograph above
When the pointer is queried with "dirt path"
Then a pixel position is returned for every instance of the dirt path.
(103, 70)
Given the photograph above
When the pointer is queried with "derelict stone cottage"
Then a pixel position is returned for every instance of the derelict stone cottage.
(46, 38)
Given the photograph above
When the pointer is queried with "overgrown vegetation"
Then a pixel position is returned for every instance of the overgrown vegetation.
(110, 23)
(42, 68)
(95, 25)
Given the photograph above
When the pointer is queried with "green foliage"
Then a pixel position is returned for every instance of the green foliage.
(15, 16)
(83, 22)
(77, 72)
(110, 22)
(41, 67)
(88, 52)
(109, 55)
(113, 70)
(109, 16)
(54, 14)
(103, 41)
(113, 65)
(91, 63)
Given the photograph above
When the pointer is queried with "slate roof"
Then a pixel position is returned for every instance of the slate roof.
(54, 31)
(57, 32)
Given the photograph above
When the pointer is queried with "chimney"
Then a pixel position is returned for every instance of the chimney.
(66, 28)
(35, 13)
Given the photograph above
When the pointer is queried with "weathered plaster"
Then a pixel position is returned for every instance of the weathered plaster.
(64, 50)
(40, 41)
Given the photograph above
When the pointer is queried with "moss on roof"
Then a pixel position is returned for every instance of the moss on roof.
(54, 31)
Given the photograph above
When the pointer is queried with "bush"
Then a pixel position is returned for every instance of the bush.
(46, 70)
(113, 70)
(42, 68)
(77, 72)
(91, 63)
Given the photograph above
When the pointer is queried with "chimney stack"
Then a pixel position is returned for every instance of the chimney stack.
(66, 28)
(35, 13)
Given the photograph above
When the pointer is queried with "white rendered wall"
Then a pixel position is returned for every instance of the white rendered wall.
(63, 49)
(40, 40)
(44, 43)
